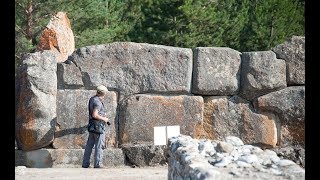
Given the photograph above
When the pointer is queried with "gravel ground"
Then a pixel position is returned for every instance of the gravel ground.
(129, 173)
(118, 173)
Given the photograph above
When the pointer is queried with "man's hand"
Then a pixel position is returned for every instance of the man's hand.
(107, 121)
(96, 115)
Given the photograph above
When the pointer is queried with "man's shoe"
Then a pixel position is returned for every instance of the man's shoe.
(85, 166)
(101, 167)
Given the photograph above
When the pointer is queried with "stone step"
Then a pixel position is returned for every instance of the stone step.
(62, 158)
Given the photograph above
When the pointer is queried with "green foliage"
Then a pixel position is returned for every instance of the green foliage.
(99, 22)
(30, 19)
(244, 25)
(22, 45)
(156, 22)
(95, 21)
(198, 24)
(211, 23)
(271, 22)
(240, 24)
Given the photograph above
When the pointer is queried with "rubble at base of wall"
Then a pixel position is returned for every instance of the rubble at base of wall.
(208, 159)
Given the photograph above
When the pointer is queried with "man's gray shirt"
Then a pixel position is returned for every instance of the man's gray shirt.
(96, 103)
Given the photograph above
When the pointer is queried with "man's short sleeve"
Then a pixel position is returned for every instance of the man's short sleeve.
(96, 104)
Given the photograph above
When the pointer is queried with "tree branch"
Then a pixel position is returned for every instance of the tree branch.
(19, 29)
(19, 4)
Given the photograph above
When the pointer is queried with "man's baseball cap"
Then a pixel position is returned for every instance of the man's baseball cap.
(102, 89)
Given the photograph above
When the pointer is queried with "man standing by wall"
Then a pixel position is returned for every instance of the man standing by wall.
(97, 112)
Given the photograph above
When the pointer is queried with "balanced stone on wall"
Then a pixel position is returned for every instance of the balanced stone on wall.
(58, 37)
(216, 71)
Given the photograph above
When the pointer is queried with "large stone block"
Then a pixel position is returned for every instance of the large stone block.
(145, 154)
(216, 71)
(132, 68)
(293, 52)
(140, 113)
(36, 111)
(261, 73)
(65, 158)
(69, 76)
(289, 105)
(72, 118)
(224, 116)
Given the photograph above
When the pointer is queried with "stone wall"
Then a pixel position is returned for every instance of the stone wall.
(210, 92)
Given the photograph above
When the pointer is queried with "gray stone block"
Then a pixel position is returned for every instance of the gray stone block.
(36, 111)
(132, 68)
(139, 115)
(69, 76)
(216, 71)
(289, 106)
(293, 52)
(72, 118)
(145, 154)
(56, 158)
(261, 73)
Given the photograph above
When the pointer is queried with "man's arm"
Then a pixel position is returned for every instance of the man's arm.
(96, 115)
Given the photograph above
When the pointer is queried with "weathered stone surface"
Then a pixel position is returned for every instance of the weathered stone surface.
(261, 73)
(58, 158)
(69, 76)
(289, 105)
(139, 114)
(185, 161)
(135, 67)
(145, 154)
(293, 52)
(72, 118)
(234, 116)
(58, 37)
(216, 71)
(294, 153)
(224, 147)
(36, 111)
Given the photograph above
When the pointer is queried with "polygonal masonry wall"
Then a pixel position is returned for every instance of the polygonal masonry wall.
(209, 92)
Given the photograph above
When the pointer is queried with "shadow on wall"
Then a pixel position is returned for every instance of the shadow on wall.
(80, 130)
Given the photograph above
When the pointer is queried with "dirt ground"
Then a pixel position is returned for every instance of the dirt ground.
(118, 173)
